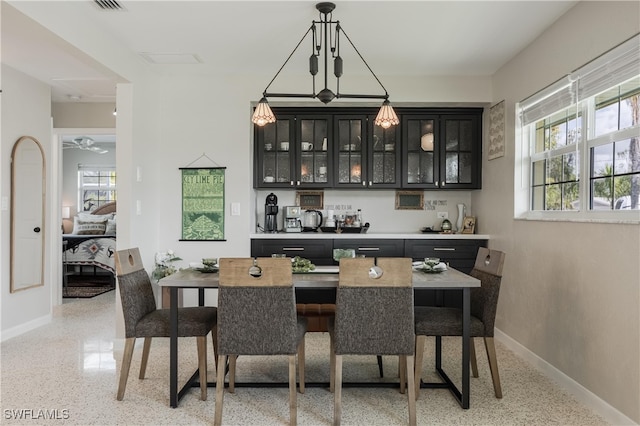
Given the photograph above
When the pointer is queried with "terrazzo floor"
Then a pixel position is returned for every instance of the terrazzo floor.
(68, 370)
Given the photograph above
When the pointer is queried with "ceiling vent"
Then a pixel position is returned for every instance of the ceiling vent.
(108, 4)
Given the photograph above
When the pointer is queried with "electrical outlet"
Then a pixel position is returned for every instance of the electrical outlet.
(443, 215)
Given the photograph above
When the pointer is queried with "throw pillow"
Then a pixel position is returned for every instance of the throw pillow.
(111, 227)
(81, 227)
(88, 217)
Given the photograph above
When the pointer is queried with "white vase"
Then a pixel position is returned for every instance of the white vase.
(460, 217)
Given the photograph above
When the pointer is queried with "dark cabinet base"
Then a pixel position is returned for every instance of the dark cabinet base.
(459, 254)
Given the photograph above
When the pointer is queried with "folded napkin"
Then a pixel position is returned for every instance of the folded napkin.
(422, 266)
(440, 267)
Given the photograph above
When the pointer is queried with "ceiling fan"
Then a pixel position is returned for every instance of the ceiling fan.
(83, 142)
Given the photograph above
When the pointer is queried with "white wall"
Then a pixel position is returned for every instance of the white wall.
(579, 315)
(26, 110)
(83, 114)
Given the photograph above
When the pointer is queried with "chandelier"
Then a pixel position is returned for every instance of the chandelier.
(325, 39)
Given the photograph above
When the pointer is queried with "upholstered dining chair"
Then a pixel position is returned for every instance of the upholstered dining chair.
(142, 319)
(257, 316)
(445, 321)
(374, 316)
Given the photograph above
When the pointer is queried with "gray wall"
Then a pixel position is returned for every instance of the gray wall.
(579, 315)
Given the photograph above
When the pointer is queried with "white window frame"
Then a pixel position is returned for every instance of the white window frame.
(566, 90)
(83, 187)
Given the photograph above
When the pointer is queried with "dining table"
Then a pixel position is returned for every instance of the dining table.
(324, 277)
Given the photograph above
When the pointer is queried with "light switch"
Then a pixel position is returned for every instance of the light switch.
(138, 207)
(139, 174)
(235, 209)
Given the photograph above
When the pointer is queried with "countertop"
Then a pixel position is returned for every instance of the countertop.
(368, 236)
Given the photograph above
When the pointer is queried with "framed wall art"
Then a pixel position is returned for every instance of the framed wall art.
(203, 204)
(310, 200)
(468, 225)
(496, 131)
(409, 200)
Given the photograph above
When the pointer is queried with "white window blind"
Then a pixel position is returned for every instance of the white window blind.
(610, 69)
(549, 100)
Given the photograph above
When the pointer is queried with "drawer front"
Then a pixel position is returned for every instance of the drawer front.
(373, 248)
(444, 249)
(319, 252)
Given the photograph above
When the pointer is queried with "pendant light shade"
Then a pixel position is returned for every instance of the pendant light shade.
(263, 114)
(386, 116)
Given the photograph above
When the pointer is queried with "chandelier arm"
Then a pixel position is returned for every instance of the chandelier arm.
(366, 64)
(289, 95)
(354, 96)
(285, 62)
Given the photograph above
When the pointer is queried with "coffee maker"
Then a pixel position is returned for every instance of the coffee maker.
(271, 213)
(292, 222)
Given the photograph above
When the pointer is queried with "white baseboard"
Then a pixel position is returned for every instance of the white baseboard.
(582, 394)
(23, 328)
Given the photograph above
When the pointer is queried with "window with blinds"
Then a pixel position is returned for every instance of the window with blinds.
(582, 137)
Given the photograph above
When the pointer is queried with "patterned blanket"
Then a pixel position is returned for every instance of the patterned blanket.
(93, 251)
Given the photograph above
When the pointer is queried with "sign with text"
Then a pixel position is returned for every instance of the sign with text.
(203, 204)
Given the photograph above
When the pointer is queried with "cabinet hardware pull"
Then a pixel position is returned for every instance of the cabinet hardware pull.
(364, 183)
(370, 183)
(436, 183)
(292, 248)
(298, 182)
(444, 249)
(368, 248)
(291, 183)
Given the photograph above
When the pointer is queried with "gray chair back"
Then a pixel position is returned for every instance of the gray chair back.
(484, 299)
(136, 293)
(374, 316)
(256, 314)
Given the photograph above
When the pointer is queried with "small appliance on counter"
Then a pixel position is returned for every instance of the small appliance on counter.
(271, 213)
(446, 227)
(311, 220)
(292, 221)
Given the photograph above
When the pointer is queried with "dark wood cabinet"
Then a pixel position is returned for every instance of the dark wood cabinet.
(319, 251)
(372, 248)
(460, 254)
(432, 148)
(294, 152)
(442, 151)
(366, 156)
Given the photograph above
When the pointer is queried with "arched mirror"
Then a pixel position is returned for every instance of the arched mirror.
(27, 214)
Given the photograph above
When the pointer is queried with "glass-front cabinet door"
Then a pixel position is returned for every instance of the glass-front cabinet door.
(442, 151)
(274, 165)
(314, 150)
(422, 167)
(293, 152)
(367, 155)
(384, 156)
(350, 165)
(460, 152)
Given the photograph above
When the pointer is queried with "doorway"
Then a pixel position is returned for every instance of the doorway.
(86, 181)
